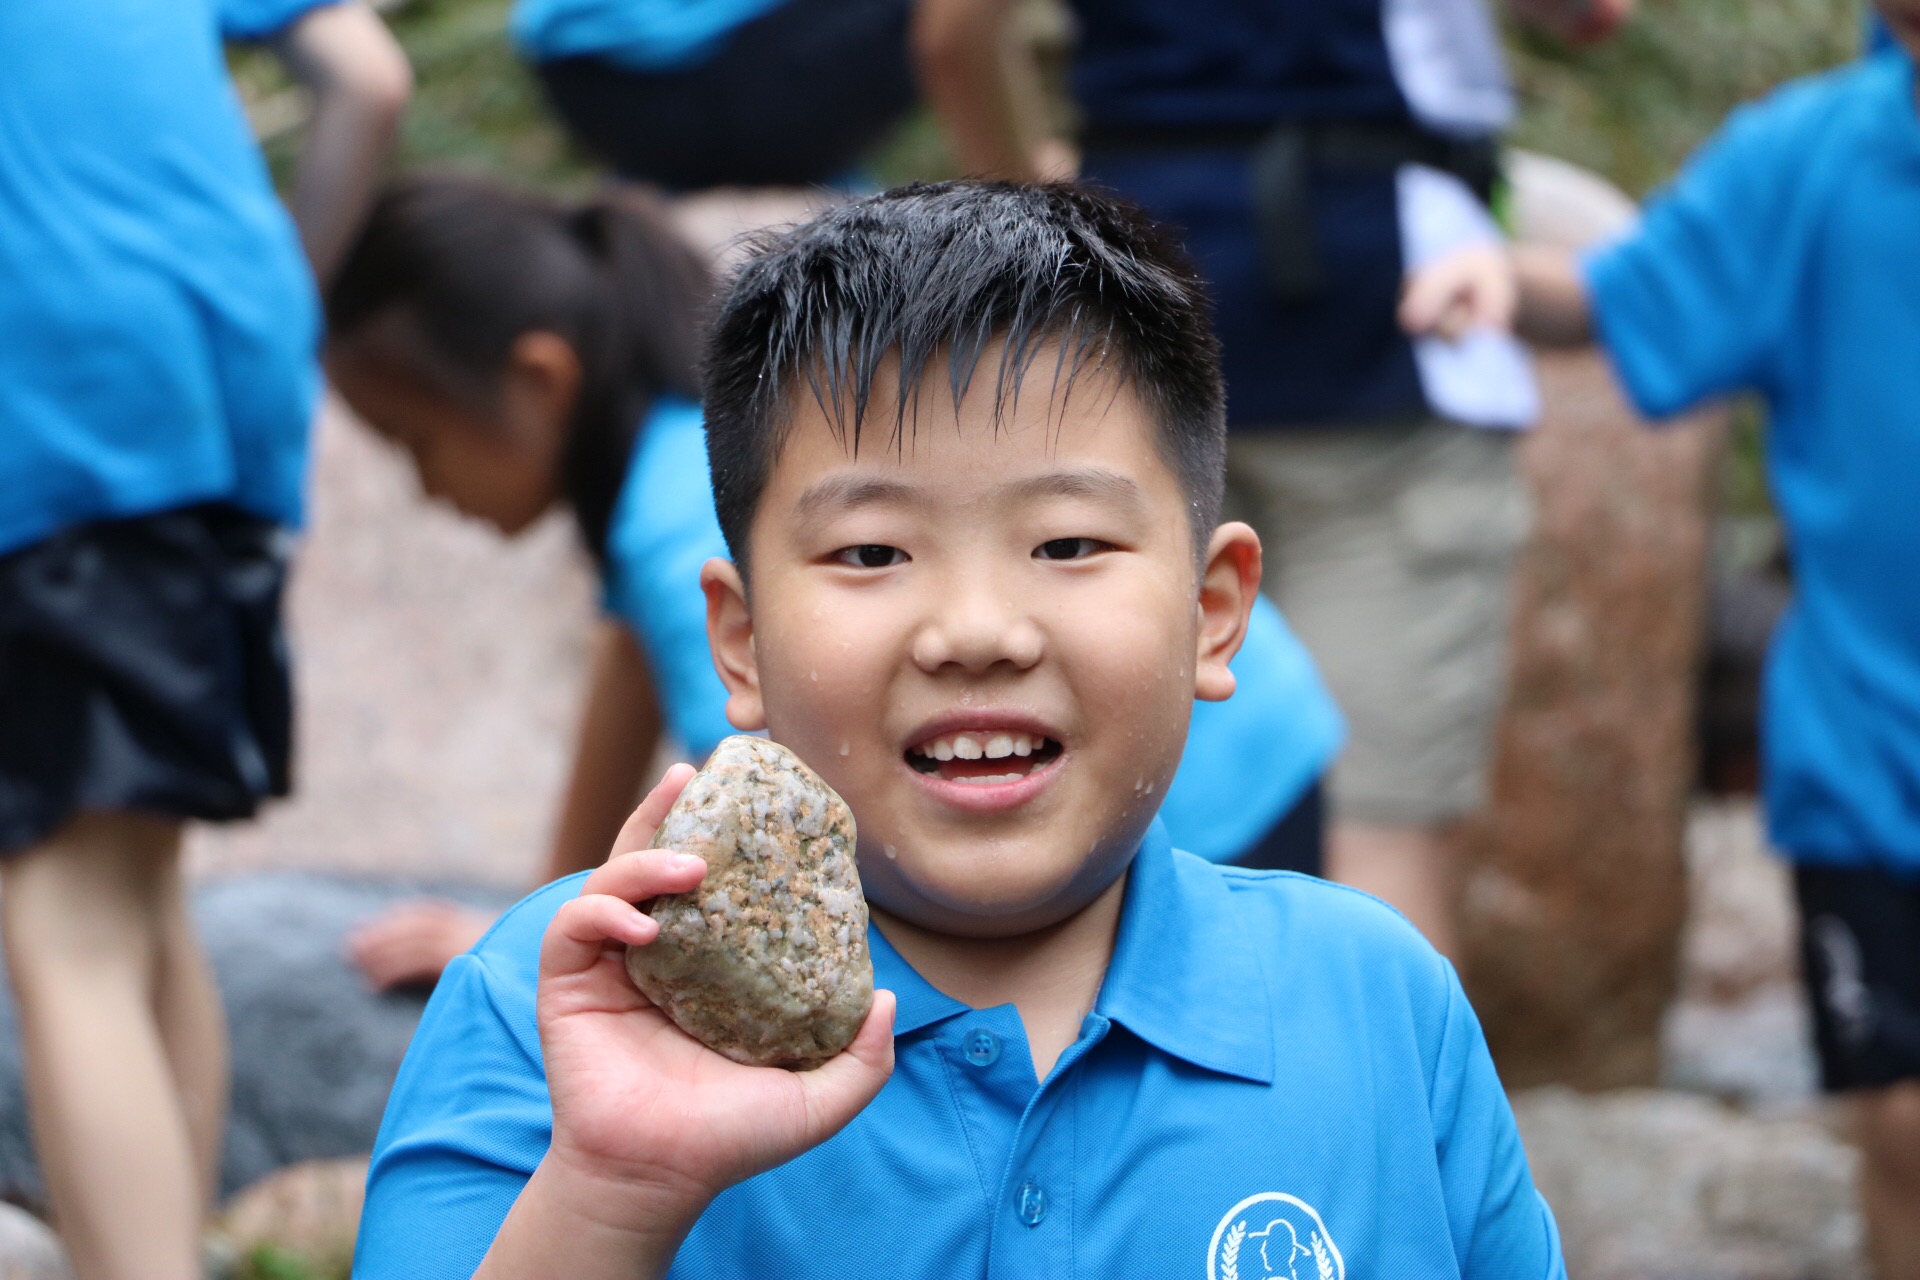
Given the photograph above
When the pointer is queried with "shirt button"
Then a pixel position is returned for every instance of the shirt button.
(1033, 1205)
(981, 1046)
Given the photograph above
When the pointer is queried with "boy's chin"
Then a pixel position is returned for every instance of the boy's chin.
(1001, 891)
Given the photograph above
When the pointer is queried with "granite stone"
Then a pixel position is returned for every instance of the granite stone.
(766, 962)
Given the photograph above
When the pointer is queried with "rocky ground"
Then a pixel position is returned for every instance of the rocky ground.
(439, 670)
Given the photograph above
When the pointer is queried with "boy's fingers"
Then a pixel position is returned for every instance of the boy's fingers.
(581, 930)
(1429, 295)
(637, 831)
(645, 873)
(840, 1087)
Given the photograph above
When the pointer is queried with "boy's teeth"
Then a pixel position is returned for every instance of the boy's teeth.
(999, 746)
(1022, 745)
(943, 750)
(991, 779)
(979, 746)
(966, 746)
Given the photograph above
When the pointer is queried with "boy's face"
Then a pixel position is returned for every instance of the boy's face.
(988, 642)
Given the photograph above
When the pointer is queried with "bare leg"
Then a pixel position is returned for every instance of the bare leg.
(1410, 867)
(193, 1031)
(1889, 1135)
(81, 919)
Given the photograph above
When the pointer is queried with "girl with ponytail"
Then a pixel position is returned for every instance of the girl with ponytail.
(525, 351)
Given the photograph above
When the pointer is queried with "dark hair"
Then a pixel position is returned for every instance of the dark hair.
(948, 268)
(475, 264)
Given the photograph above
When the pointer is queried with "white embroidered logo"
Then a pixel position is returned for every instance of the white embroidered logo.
(1273, 1236)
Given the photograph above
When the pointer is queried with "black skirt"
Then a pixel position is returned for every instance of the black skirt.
(143, 667)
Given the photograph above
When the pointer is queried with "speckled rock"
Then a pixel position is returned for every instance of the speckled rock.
(766, 962)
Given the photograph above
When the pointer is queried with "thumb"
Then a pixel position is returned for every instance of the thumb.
(836, 1090)
(1430, 293)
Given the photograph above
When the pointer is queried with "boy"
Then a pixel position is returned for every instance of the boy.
(1785, 260)
(157, 341)
(967, 445)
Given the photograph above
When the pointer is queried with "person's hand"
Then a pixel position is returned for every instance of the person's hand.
(1474, 288)
(648, 1123)
(414, 941)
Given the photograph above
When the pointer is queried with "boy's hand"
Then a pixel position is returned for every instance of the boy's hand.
(1475, 288)
(648, 1123)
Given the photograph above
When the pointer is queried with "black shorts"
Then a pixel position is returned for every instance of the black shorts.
(795, 97)
(143, 667)
(1297, 842)
(1860, 944)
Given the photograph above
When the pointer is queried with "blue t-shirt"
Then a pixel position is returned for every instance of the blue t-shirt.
(1785, 259)
(1247, 760)
(158, 325)
(1279, 1078)
(663, 530)
(1250, 758)
(646, 35)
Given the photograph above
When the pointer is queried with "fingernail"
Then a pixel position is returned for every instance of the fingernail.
(687, 862)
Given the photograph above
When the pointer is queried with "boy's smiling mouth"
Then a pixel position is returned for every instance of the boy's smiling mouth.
(984, 761)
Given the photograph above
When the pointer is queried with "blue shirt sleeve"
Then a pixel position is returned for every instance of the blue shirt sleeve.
(249, 20)
(1501, 1225)
(469, 1118)
(664, 529)
(1696, 300)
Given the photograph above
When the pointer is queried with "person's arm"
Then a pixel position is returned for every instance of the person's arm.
(619, 732)
(360, 81)
(649, 1125)
(1529, 290)
(973, 81)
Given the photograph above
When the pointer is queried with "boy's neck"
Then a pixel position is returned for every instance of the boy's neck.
(1052, 976)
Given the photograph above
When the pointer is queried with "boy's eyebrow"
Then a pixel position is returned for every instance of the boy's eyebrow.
(847, 492)
(844, 493)
(1085, 482)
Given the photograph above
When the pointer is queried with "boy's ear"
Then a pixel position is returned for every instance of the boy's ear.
(730, 637)
(1229, 581)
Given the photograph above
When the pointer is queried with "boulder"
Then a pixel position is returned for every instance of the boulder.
(1574, 879)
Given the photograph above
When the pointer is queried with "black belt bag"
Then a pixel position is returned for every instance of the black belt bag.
(1286, 159)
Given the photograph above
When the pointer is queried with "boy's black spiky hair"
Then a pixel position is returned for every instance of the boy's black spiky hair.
(946, 270)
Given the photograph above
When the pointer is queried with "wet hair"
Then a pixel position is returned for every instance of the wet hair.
(947, 269)
(473, 265)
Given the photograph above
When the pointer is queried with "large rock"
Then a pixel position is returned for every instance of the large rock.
(1574, 880)
(766, 962)
(1663, 1186)
(314, 1050)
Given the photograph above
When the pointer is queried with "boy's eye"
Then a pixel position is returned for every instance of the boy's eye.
(1070, 548)
(870, 555)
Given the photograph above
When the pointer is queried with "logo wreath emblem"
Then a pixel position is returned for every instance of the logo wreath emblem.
(1273, 1236)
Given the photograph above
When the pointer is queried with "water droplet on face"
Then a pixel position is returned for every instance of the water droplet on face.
(966, 697)
(813, 675)
(846, 748)
(889, 850)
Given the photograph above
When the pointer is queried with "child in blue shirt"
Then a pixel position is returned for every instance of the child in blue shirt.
(157, 341)
(1784, 260)
(460, 305)
(966, 444)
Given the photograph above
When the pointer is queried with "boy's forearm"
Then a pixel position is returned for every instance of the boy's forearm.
(619, 732)
(959, 50)
(360, 82)
(568, 1226)
(1553, 309)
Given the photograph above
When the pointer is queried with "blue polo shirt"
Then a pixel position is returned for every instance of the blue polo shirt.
(1278, 1078)
(1785, 260)
(158, 325)
(646, 35)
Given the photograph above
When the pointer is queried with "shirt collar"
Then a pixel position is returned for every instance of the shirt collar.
(1184, 976)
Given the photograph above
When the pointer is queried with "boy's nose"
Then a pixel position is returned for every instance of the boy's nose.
(977, 629)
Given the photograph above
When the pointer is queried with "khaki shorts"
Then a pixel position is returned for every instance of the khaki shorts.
(1390, 549)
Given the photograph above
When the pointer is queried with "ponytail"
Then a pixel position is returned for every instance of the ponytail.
(475, 264)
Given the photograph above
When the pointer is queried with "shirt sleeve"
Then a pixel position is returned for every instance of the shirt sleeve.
(1502, 1228)
(253, 20)
(469, 1117)
(1694, 302)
